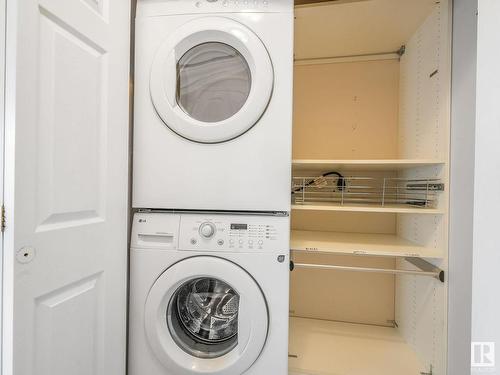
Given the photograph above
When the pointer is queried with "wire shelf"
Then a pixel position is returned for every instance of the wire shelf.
(369, 191)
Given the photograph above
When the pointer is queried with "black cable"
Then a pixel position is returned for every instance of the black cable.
(341, 184)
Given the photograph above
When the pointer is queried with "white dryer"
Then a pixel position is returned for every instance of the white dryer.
(209, 294)
(213, 104)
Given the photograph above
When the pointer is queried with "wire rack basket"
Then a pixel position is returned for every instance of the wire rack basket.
(372, 191)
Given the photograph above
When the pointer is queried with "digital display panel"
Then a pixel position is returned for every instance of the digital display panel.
(239, 226)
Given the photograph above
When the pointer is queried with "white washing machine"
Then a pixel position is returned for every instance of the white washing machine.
(209, 294)
(213, 104)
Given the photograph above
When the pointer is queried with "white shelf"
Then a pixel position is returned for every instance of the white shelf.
(332, 348)
(310, 165)
(397, 209)
(358, 244)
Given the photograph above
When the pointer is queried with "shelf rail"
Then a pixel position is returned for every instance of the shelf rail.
(425, 268)
(386, 55)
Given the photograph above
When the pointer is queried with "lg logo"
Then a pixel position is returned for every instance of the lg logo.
(483, 354)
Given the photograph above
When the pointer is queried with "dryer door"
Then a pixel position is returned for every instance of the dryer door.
(206, 315)
(211, 80)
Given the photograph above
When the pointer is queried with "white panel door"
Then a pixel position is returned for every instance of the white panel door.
(66, 188)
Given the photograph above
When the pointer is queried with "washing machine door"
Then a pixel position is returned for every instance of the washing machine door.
(211, 80)
(206, 315)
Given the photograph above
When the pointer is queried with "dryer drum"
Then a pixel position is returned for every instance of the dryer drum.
(213, 82)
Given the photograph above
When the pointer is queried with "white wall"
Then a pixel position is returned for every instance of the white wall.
(486, 265)
(461, 187)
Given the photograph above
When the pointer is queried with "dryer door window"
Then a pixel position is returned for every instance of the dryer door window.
(202, 317)
(206, 315)
(211, 81)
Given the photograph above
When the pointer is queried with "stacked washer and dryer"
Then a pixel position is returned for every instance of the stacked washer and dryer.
(212, 165)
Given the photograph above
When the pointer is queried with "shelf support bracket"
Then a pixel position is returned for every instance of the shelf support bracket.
(426, 267)
(427, 373)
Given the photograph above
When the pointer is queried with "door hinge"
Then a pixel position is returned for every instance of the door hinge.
(3, 220)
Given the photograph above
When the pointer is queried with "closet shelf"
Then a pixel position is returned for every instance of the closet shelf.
(326, 347)
(359, 244)
(311, 165)
(397, 209)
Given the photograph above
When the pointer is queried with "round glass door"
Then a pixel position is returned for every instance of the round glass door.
(202, 317)
(211, 80)
(207, 315)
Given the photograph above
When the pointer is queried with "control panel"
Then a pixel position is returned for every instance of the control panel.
(233, 232)
(147, 8)
(210, 232)
(232, 4)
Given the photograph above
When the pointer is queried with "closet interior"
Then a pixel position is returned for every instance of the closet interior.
(370, 188)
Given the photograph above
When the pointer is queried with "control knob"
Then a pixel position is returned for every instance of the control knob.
(207, 230)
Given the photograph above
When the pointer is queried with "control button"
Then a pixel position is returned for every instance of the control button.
(193, 241)
(220, 242)
(231, 241)
(207, 230)
(261, 242)
(241, 242)
(250, 242)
